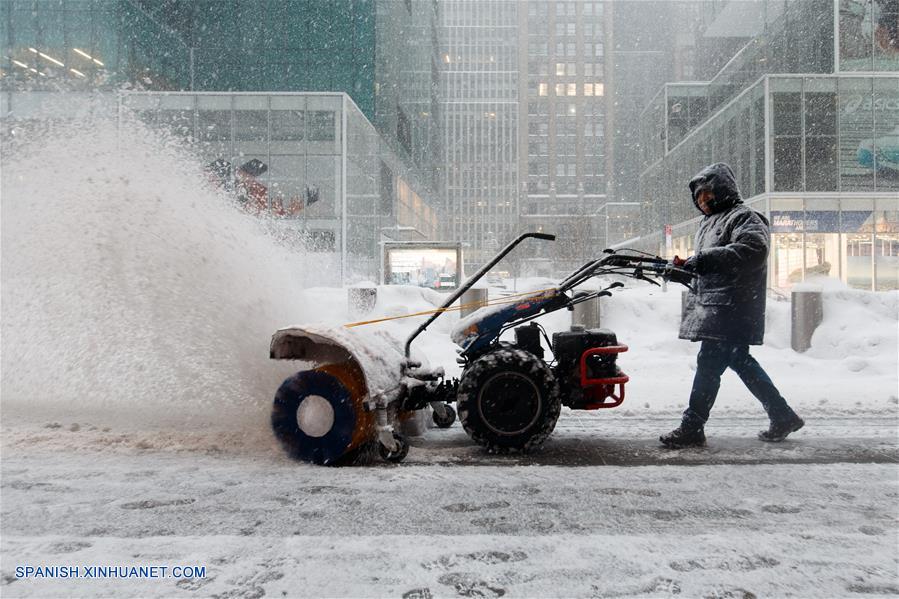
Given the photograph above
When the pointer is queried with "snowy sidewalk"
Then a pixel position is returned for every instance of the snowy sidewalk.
(455, 522)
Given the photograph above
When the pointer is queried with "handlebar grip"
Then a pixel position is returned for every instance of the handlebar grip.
(544, 236)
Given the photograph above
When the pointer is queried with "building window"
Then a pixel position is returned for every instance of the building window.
(403, 129)
(542, 89)
(821, 142)
(787, 109)
(288, 125)
(320, 125)
(321, 241)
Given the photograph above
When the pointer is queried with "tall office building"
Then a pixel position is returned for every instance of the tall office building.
(480, 111)
(379, 52)
(563, 110)
(523, 92)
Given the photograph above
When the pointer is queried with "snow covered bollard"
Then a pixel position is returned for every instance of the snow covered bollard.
(361, 300)
(472, 300)
(806, 313)
(587, 314)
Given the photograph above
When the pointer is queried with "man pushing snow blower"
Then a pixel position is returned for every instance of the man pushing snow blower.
(357, 386)
(725, 310)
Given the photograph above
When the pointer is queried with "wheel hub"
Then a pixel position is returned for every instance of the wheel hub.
(315, 416)
(509, 403)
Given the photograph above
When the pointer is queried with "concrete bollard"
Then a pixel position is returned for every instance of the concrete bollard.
(361, 300)
(476, 297)
(806, 313)
(587, 314)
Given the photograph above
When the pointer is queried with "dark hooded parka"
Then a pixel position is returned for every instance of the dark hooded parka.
(731, 259)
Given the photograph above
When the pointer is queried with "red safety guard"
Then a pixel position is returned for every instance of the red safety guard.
(601, 389)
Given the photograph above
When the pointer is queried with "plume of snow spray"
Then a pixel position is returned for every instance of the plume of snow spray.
(132, 292)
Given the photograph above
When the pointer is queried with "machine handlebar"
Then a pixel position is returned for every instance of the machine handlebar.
(631, 265)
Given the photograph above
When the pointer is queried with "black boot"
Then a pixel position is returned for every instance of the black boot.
(684, 437)
(778, 431)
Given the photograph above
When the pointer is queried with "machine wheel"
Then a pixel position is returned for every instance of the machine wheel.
(448, 420)
(508, 399)
(317, 416)
(395, 456)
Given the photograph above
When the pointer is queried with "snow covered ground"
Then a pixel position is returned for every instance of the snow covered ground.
(136, 389)
(708, 524)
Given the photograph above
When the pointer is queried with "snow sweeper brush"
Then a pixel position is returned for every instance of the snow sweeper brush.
(508, 397)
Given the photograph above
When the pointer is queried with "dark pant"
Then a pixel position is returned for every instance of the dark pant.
(714, 358)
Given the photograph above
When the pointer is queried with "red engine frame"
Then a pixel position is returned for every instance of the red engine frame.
(597, 391)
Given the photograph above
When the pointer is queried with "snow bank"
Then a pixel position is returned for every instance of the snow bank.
(851, 366)
(132, 293)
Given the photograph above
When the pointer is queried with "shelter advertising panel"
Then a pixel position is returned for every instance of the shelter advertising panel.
(434, 266)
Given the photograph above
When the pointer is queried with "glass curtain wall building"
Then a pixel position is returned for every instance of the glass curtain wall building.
(311, 163)
(382, 54)
(89, 44)
(815, 151)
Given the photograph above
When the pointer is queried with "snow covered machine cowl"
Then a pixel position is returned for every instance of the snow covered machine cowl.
(348, 400)
(508, 397)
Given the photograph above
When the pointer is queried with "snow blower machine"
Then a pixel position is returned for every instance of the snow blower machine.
(508, 396)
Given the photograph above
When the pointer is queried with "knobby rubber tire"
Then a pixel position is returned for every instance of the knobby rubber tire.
(525, 365)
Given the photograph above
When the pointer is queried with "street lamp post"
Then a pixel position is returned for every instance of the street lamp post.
(605, 240)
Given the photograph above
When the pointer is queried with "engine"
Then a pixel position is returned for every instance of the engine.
(569, 346)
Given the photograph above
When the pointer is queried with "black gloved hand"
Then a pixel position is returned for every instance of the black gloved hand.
(682, 273)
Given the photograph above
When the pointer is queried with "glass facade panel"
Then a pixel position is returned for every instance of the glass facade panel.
(885, 145)
(856, 170)
(869, 35)
(820, 131)
(786, 110)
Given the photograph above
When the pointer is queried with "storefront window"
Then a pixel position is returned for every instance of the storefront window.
(787, 223)
(856, 227)
(886, 248)
(822, 238)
